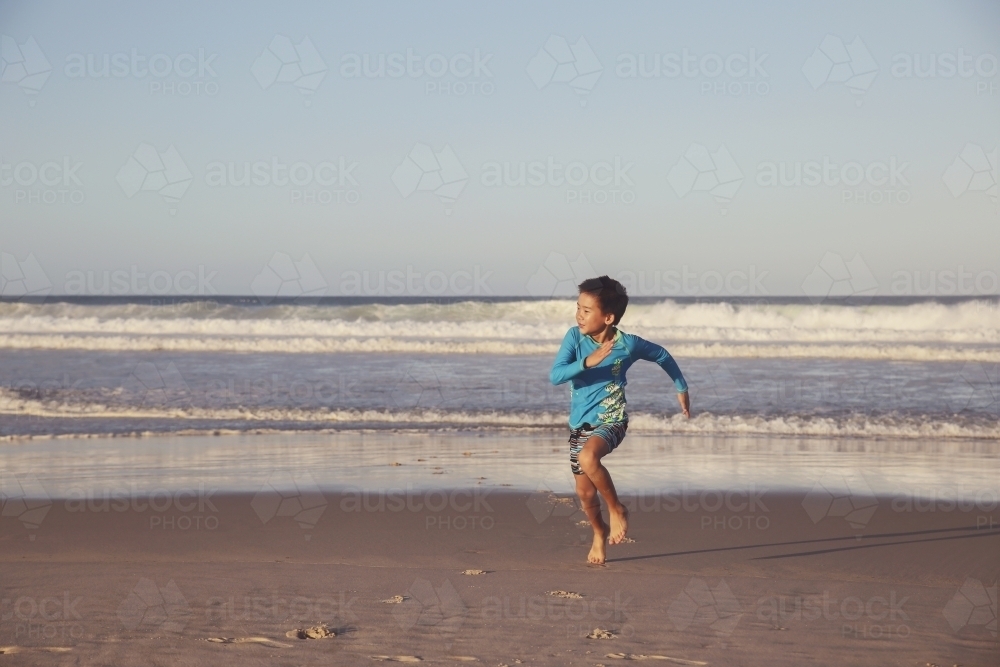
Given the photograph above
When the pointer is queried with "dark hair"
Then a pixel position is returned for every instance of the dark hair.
(610, 295)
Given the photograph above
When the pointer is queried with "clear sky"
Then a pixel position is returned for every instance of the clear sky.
(655, 139)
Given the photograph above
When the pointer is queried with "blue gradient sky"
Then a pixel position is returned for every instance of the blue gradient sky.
(919, 226)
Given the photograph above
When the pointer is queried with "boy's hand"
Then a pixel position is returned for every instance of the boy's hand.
(599, 355)
(685, 402)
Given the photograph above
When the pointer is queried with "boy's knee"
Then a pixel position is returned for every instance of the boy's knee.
(588, 460)
(586, 494)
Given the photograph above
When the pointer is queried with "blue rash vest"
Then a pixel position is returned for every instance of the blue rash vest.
(598, 393)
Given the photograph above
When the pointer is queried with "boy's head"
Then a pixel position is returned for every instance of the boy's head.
(602, 302)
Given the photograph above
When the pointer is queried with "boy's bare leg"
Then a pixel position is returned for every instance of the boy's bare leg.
(591, 506)
(590, 462)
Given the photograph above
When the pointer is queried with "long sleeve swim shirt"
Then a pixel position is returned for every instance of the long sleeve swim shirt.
(598, 394)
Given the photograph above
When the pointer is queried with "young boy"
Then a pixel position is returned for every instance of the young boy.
(594, 358)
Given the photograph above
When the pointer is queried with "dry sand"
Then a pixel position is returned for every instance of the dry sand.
(230, 579)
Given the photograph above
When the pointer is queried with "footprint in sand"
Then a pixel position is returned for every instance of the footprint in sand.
(397, 658)
(10, 650)
(315, 632)
(565, 594)
(395, 599)
(597, 633)
(473, 573)
(640, 656)
(248, 640)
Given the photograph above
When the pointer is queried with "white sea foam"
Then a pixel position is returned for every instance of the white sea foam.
(186, 418)
(350, 344)
(968, 331)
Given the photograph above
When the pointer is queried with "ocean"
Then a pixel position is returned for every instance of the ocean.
(890, 369)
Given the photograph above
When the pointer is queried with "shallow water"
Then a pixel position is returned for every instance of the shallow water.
(95, 467)
(902, 370)
(98, 392)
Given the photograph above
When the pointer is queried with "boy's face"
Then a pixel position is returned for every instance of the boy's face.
(589, 317)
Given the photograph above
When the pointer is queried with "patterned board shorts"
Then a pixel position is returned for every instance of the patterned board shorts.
(612, 434)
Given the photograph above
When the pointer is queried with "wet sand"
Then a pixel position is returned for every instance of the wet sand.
(739, 577)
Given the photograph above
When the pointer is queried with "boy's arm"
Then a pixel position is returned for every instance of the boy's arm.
(566, 366)
(685, 402)
(659, 356)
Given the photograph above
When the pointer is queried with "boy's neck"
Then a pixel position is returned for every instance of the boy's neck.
(606, 335)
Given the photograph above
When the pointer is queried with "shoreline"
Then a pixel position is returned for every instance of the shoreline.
(493, 458)
(163, 422)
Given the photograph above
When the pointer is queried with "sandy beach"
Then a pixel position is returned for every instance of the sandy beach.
(446, 568)
(310, 311)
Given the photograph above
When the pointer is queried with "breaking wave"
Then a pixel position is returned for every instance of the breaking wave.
(110, 417)
(968, 331)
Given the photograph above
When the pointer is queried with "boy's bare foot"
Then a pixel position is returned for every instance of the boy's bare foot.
(598, 552)
(619, 524)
